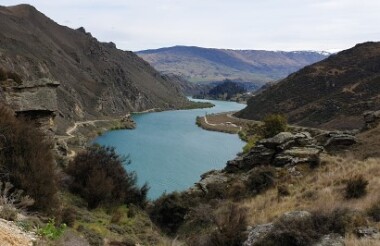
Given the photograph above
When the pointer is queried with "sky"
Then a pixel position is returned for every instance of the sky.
(329, 25)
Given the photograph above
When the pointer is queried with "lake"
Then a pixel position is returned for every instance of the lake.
(169, 151)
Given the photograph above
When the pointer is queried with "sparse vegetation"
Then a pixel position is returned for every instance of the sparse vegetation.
(51, 230)
(99, 176)
(356, 187)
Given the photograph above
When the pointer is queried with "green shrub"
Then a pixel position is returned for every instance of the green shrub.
(26, 160)
(51, 231)
(98, 175)
(356, 187)
(273, 125)
(169, 211)
(261, 179)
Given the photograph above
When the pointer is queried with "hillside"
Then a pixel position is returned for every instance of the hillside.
(97, 79)
(210, 65)
(332, 93)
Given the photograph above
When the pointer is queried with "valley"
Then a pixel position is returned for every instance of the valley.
(100, 146)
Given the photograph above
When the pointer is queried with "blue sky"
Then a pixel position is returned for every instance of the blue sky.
(236, 24)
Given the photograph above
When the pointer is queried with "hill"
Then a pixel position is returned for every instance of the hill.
(211, 65)
(332, 93)
(97, 79)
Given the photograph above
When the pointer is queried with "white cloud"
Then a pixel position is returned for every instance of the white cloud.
(240, 24)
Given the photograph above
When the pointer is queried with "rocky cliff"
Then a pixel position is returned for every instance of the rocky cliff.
(97, 79)
(332, 93)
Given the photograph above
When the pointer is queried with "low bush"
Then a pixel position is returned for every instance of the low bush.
(260, 179)
(231, 224)
(69, 216)
(98, 175)
(169, 211)
(307, 230)
(26, 160)
(374, 211)
(51, 231)
(356, 187)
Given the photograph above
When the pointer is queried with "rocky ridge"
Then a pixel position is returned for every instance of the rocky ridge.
(330, 94)
(96, 79)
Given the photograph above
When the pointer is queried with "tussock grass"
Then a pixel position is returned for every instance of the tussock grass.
(320, 190)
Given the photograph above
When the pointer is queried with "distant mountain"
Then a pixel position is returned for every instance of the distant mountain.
(97, 79)
(211, 65)
(223, 91)
(332, 93)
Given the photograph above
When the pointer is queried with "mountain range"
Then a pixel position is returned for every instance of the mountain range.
(96, 79)
(332, 93)
(204, 65)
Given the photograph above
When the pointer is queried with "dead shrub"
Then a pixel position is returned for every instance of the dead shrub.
(26, 160)
(98, 175)
(261, 179)
(356, 187)
(231, 224)
(374, 211)
(169, 211)
(69, 216)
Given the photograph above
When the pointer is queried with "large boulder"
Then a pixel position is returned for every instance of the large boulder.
(257, 233)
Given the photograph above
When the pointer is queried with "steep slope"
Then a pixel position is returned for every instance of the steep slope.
(210, 65)
(97, 79)
(332, 93)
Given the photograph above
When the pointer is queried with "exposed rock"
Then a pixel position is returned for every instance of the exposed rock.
(277, 140)
(332, 239)
(294, 215)
(34, 100)
(371, 119)
(296, 155)
(368, 232)
(257, 233)
(258, 155)
(340, 140)
(283, 149)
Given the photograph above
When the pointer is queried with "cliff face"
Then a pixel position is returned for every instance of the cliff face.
(97, 79)
(332, 93)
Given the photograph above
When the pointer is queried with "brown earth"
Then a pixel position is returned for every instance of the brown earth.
(330, 94)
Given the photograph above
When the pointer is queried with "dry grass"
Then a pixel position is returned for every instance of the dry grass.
(320, 190)
(352, 240)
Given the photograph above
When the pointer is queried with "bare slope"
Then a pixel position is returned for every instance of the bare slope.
(332, 93)
(210, 65)
(97, 79)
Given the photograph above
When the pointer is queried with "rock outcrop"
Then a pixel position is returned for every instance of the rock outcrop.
(287, 148)
(35, 101)
(283, 149)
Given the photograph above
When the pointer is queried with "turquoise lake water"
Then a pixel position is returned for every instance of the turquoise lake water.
(169, 151)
